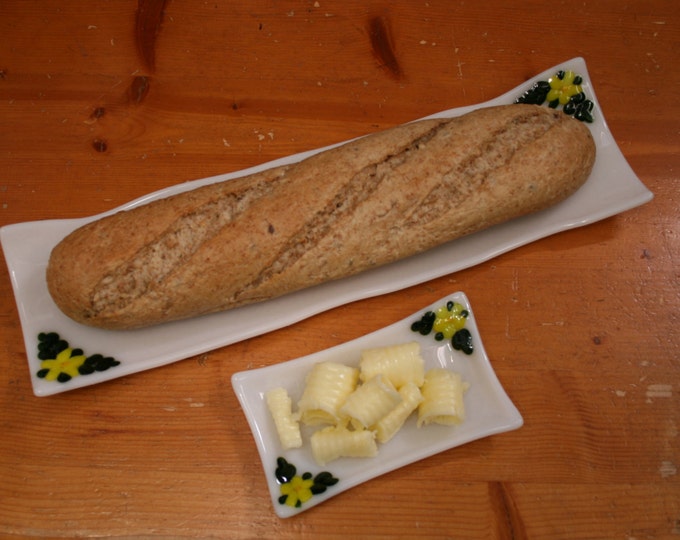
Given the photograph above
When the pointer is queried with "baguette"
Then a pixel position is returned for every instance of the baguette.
(366, 203)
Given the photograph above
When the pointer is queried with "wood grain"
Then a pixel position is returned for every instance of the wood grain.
(581, 327)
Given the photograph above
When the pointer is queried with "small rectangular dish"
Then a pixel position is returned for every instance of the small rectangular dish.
(488, 408)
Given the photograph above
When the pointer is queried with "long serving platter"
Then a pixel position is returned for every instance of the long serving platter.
(63, 355)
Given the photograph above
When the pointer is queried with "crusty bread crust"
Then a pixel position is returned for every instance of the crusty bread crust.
(358, 206)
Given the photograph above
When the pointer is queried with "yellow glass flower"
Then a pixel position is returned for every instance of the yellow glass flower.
(297, 491)
(63, 363)
(563, 89)
(449, 319)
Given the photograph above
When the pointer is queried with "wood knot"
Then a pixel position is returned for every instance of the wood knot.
(148, 21)
(382, 45)
(139, 88)
(100, 145)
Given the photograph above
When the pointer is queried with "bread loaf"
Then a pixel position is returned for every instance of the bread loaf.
(357, 206)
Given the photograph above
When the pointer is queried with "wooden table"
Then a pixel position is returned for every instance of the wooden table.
(102, 103)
